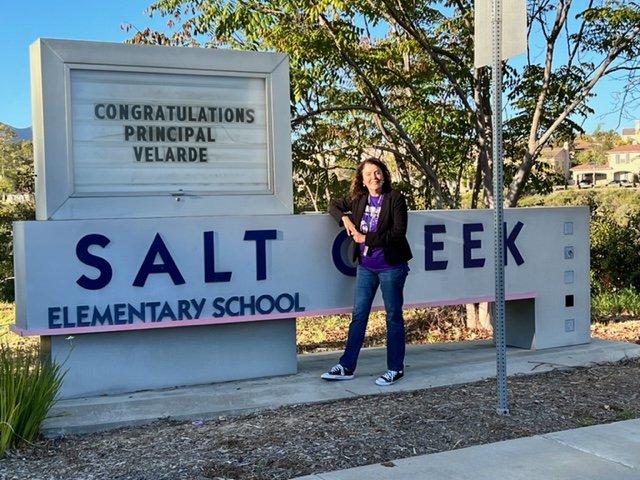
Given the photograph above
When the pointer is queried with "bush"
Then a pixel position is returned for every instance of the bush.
(9, 213)
(28, 388)
(614, 233)
(615, 252)
(615, 303)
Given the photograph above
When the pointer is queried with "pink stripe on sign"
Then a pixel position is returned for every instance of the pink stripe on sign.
(46, 332)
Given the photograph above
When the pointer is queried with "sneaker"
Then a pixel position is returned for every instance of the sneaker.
(390, 377)
(338, 372)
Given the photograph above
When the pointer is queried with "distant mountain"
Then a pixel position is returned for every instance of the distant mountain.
(22, 133)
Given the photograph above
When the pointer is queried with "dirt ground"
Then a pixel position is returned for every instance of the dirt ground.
(304, 439)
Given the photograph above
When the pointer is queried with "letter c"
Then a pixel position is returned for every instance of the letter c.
(337, 255)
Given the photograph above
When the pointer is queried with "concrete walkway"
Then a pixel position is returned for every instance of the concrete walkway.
(600, 452)
(603, 452)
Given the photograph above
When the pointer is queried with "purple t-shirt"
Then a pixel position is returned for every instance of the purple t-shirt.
(372, 258)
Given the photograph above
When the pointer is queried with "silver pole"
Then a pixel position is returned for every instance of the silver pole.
(499, 330)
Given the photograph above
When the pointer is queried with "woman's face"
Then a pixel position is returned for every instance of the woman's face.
(373, 178)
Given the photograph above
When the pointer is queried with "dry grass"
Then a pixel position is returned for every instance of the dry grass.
(432, 325)
(7, 317)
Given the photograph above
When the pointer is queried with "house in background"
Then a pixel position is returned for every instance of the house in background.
(559, 158)
(592, 174)
(632, 134)
(623, 164)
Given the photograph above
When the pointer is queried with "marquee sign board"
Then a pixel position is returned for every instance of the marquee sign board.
(125, 131)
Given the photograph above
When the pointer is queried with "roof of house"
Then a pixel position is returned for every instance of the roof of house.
(625, 148)
(548, 152)
(590, 167)
(581, 145)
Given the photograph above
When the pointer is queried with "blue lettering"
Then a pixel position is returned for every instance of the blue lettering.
(183, 309)
(510, 244)
(468, 244)
(297, 307)
(218, 305)
(153, 306)
(227, 307)
(265, 311)
(54, 317)
(167, 312)
(339, 251)
(141, 314)
(251, 305)
(99, 263)
(65, 316)
(431, 246)
(261, 237)
(148, 266)
(289, 299)
(119, 312)
(82, 312)
(101, 318)
(198, 306)
(210, 274)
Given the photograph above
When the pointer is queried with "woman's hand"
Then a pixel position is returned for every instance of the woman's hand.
(359, 237)
(349, 226)
(352, 231)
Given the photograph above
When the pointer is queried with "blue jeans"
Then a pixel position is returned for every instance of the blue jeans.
(391, 284)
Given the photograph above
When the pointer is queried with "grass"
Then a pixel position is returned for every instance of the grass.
(28, 386)
(612, 303)
(423, 325)
(7, 317)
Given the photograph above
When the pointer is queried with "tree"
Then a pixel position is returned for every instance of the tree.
(16, 176)
(16, 163)
(396, 76)
(601, 141)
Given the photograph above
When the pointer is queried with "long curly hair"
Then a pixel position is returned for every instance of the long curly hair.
(357, 188)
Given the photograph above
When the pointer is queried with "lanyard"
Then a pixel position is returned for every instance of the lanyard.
(372, 213)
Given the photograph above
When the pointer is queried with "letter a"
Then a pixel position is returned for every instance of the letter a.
(168, 266)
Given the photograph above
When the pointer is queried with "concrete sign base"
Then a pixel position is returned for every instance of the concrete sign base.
(172, 357)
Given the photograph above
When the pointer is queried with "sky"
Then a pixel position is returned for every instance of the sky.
(97, 20)
(94, 20)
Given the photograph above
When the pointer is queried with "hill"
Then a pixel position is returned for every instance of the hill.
(21, 133)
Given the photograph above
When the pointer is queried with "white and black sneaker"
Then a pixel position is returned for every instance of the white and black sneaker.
(338, 372)
(389, 377)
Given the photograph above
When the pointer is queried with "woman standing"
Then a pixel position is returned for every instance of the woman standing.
(375, 217)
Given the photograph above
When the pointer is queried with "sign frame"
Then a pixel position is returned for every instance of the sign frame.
(52, 65)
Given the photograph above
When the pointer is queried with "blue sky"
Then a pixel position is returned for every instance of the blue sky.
(100, 21)
(71, 19)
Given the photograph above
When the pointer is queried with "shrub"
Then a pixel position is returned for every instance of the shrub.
(9, 213)
(28, 388)
(615, 303)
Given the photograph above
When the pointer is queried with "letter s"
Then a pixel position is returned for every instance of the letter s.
(82, 252)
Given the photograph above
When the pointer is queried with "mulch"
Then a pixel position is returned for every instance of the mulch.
(301, 440)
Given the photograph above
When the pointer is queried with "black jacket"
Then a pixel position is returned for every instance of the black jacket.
(391, 231)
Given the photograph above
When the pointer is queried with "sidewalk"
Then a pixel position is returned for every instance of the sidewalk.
(604, 452)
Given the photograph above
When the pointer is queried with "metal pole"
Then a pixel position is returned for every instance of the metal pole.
(499, 328)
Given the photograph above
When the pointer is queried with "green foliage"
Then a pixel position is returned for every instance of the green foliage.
(28, 388)
(615, 247)
(615, 303)
(16, 163)
(614, 234)
(10, 212)
(397, 79)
